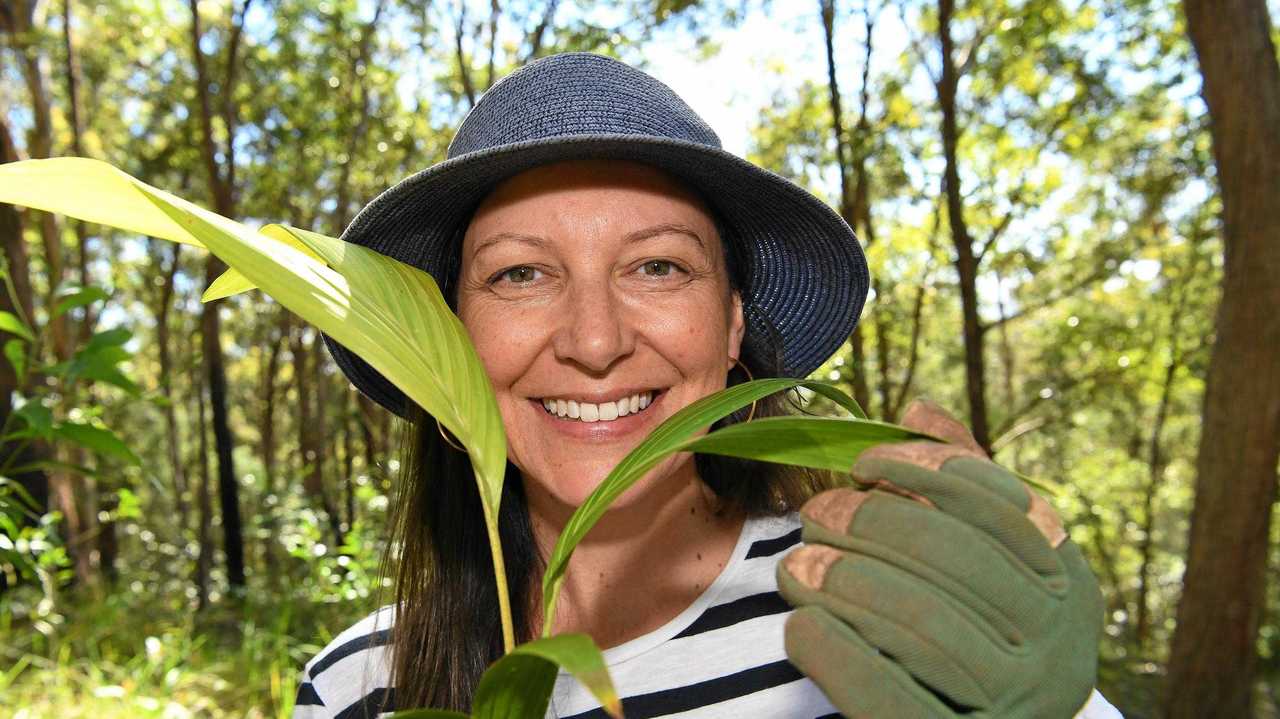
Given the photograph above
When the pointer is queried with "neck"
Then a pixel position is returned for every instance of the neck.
(645, 561)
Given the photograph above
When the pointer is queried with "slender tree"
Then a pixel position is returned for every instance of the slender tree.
(827, 8)
(222, 188)
(18, 299)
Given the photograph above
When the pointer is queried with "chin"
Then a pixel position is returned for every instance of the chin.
(576, 481)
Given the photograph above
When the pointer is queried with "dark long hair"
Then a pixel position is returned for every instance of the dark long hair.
(446, 629)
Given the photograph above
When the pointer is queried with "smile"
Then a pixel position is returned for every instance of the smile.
(598, 412)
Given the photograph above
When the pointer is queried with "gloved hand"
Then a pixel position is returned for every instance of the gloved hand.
(944, 587)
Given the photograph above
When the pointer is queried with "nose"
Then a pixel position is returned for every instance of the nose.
(594, 331)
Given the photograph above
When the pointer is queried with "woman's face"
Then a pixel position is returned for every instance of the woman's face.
(597, 296)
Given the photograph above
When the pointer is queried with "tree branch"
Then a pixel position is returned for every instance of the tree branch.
(464, 67)
(495, 10)
(1071, 290)
(918, 48)
(230, 115)
(539, 32)
(341, 210)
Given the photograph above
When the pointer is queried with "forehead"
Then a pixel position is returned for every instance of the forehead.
(589, 200)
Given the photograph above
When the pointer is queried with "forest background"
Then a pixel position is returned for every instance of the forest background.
(1065, 250)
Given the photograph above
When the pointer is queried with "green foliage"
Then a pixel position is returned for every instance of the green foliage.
(141, 654)
(395, 317)
(519, 684)
(672, 436)
(1085, 164)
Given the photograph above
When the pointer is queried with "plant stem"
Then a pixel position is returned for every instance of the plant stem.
(549, 607)
(500, 577)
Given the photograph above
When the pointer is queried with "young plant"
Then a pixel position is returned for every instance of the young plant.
(394, 317)
(30, 547)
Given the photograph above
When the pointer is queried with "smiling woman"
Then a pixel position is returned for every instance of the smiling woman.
(613, 266)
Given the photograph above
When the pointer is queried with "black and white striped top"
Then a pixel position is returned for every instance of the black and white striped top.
(721, 657)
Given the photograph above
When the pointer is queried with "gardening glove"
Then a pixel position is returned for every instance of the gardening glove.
(944, 587)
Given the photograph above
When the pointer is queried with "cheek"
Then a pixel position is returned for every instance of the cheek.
(506, 341)
(692, 335)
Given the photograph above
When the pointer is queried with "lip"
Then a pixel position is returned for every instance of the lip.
(600, 431)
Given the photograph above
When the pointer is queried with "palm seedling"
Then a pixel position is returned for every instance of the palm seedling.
(394, 317)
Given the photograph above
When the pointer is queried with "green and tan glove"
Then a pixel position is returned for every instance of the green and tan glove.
(947, 587)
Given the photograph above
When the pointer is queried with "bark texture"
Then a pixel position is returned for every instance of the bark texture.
(1213, 657)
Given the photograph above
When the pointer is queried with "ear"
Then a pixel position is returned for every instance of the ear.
(737, 325)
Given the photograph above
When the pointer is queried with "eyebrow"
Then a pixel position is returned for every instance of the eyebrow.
(633, 236)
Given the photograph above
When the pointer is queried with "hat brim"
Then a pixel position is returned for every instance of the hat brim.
(805, 274)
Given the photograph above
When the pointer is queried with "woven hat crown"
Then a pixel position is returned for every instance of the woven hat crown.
(577, 94)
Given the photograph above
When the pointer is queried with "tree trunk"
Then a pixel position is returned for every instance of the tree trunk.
(320, 442)
(222, 188)
(857, 348)
(348, 461)
(173, 436)
(1157, 461)
(204, 531)
(366, 413)
(72, 72)
(228, 489)
(309, 410)
(1213, 655)
(966, 260)
(267, 429)
(36, 483)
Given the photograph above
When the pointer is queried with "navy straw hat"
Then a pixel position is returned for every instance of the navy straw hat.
(804, 275)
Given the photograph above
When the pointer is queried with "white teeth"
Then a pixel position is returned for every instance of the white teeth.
(608, 411)
(602, 412)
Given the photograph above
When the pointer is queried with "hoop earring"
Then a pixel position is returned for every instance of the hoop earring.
(447, 440)
(752, 413)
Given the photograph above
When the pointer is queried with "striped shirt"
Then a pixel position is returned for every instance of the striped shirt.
(721, 657)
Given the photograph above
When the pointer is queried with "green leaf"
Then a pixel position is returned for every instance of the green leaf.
(519, 684)
(669, 437)
(38, 417)
(227, 284)
(98, 361)
(16, 352)
(8, 528)
(232, 282)
(129, 507)
(96, 439)
(9, 322)
(429, 714)
(516, 686)
(390, 314)
(113, 337)
(818, 442)
(54, 465)
(78, 297)
(15, 488)
(94, 191)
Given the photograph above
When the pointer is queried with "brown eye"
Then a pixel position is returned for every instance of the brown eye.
(519, 275)
(657, 268)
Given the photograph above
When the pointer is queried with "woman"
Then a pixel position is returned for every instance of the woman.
(613, 265)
